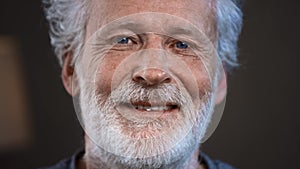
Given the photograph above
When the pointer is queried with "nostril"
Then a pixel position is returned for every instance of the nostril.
(167, 80)
(138, 79)
(151, 76)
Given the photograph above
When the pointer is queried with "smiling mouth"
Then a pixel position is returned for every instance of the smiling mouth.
(145, 111)
(154, 107)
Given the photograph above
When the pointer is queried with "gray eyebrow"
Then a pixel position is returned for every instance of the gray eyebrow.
(130, 25)
(142, 28)
(180, 31)
(189, 32)
(115, 27)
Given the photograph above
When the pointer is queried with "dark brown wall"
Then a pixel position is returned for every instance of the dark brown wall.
(260, 125)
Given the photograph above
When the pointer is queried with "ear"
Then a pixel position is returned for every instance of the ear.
(67, 73)
(221, 90)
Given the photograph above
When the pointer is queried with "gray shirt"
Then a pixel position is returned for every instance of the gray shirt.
(70, 163)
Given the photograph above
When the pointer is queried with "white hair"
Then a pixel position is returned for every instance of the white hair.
(67, 20)
(178, 137)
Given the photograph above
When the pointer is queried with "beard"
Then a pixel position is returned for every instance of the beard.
(121, 139)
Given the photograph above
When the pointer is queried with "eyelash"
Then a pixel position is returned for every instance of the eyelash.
(131, 43)
(118, 41)
(173, 44)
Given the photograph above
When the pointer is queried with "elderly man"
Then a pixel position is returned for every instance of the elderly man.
(145, 77)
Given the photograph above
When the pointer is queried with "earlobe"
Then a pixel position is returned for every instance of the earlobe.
(221, 90)
(67, 73)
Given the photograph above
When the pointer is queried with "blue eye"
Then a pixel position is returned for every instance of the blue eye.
(124, 40)
(181, 45)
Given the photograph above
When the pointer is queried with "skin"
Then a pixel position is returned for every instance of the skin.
(198, 12)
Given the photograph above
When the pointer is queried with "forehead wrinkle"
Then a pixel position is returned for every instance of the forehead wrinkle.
(126, 7)
(198, 12)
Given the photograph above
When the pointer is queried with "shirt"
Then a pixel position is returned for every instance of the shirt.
(70, 163)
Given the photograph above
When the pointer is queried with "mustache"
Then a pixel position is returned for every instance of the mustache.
(128, 92)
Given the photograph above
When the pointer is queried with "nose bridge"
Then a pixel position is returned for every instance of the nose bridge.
(153, 62)
(153, 53)
(153, 68)
(154, 41)
(153, 58)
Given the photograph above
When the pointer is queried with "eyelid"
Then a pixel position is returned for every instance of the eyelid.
(173, 41)
(191, 50)
(185, 45)
(134, 42)
(134, 38)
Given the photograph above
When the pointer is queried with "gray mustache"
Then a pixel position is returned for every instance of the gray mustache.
(129, 91)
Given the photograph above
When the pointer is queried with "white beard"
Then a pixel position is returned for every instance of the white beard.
(117, 142)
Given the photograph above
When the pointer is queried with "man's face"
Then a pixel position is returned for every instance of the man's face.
(147, 77)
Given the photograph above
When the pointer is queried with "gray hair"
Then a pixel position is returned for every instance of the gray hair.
(67, 20)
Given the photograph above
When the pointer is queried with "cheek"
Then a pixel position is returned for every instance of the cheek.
(201, 76)
(106, 71)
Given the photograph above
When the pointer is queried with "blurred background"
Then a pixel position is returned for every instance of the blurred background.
(259, 128)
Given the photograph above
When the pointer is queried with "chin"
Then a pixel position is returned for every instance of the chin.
(145, 133)
(142, 156)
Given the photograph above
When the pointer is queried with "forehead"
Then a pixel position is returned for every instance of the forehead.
(200, 13)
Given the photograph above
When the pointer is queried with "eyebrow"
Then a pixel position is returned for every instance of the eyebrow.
(181, 31)
(140, 27)
(130, 25)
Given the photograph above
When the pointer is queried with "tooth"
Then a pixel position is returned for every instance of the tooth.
(167, 108)
(160, 108)
(153, 108)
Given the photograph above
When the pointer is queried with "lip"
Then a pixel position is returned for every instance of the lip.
(137, 110)
(153, 106)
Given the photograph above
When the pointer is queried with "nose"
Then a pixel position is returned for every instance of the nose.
(151, 77)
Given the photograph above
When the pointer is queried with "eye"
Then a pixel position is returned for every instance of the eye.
(124, 40)
(181, 45)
